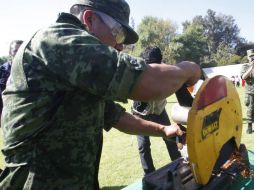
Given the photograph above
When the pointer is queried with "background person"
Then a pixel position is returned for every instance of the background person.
(5, 68)
(247, 74)
(61, 93)
(237, 81)
(232, 78)
(152, 111)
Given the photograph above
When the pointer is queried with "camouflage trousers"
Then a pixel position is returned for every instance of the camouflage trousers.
(33, 169)
(24, 178)
(249, 102)
(41, 176)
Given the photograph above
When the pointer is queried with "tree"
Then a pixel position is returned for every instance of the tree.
(222, 35)
(242, 47)
(154, 31)
(220, 29)
(223, 55)
(210, 40)
(190, 45)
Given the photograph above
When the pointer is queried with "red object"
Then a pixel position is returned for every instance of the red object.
(215, 90)
(243, 83)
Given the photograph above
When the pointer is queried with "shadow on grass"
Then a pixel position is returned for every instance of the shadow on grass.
(112, 188)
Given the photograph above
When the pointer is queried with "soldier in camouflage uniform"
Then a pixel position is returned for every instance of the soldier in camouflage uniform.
(5, 68)
(61, 92)
(247, 73)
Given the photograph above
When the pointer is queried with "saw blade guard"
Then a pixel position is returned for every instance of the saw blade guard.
(214, 119)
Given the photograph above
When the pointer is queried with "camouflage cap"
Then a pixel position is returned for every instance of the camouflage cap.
(250, 52)
(117, 9)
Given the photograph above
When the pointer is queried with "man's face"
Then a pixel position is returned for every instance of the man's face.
(251, 59)
(13, 49)
(103, 31)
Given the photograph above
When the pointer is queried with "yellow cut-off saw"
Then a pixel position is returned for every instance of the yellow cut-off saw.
(214, 127)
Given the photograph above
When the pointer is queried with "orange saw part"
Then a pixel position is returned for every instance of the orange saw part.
(214, 119)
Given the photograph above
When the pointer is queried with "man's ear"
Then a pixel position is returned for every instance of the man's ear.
(87, 18)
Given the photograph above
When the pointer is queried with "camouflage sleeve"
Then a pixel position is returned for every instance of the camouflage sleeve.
(112, 114)
(89, 65)
(126, 77)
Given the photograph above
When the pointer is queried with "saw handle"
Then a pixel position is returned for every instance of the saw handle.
(181, 140)
(184, 97)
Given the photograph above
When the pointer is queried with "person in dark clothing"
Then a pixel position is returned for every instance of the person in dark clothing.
(153, 111)
(5, 68)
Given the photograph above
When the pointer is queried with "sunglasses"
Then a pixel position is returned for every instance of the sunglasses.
(117, 30)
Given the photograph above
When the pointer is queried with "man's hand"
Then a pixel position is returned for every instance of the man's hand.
(249, 71)
(252, 61)
(172, 131)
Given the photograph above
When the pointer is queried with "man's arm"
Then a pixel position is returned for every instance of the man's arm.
(247, 73)
(131, 124)
(159, 81)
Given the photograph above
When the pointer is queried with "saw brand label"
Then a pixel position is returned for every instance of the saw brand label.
(211, 123)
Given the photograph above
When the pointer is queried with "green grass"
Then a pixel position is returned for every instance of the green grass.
(120, 163)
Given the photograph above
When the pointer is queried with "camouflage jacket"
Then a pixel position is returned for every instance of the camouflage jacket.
(249, 81)
(59, 97)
